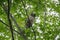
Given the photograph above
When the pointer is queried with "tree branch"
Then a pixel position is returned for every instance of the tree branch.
(28, 16)
(10, 23)
(8, 26)
(20, 30)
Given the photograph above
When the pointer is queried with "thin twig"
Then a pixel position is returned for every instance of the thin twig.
(24, 7)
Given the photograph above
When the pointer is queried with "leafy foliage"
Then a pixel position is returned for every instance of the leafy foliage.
(46, 25)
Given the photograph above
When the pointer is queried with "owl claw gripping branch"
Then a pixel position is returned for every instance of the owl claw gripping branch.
(30, 20)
